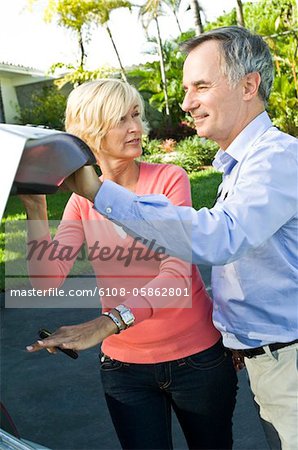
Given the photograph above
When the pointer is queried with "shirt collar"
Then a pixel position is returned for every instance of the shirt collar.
(224, 161)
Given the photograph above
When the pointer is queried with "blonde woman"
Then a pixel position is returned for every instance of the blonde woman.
(158, 352)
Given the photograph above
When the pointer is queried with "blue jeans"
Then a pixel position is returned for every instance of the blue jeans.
(200, 388)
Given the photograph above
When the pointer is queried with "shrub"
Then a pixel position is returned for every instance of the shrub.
(150, 146)
(197, 152)
(191, 153)
(46, 108)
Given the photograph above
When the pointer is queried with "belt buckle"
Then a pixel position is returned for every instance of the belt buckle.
(248, 353)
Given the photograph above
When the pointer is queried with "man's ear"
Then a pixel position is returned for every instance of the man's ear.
(251, 83)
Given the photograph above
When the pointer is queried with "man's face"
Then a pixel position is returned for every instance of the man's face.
(217, 109)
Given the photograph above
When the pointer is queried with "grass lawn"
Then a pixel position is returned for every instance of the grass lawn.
(203, 185)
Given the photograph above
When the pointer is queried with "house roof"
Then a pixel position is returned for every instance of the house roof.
(13, 69)
(18, 75)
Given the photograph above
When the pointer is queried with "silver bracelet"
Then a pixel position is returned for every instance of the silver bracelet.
(116, 321)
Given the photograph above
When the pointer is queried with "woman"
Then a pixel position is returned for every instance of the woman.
(168, 354)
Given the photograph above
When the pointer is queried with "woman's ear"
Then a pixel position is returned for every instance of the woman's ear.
(251, 83)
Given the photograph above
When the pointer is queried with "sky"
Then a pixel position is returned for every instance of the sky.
(27, 40)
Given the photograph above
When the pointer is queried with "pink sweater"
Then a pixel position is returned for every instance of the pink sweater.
(172, 308)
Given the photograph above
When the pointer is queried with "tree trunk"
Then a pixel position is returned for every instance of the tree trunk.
(162, 68)
(122, 70)
(177, 21)
(196, 10)
(239, 12)
(82, 50)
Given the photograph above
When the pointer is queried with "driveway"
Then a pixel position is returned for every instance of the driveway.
(58, 402)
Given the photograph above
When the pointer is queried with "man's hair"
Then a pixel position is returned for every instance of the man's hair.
(93, 108)
(242, 53)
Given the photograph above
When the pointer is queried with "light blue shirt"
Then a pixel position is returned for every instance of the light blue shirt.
(249, 236)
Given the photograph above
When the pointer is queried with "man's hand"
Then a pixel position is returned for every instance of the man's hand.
(83, 182)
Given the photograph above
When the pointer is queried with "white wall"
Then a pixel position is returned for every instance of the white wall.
(9, 99)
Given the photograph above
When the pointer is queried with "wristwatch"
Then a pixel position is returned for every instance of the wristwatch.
(126, 315)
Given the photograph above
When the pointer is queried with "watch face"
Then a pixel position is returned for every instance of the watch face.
(127, 318)
(126, 315)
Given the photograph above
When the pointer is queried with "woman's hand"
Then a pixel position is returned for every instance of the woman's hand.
(37, 215)
(35, 206)
(77, 337)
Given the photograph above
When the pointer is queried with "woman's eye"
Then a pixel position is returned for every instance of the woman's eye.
(122, 119)
(136, 114)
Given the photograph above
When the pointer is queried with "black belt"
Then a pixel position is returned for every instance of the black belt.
(252, 352)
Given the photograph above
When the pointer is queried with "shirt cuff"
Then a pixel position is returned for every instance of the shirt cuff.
(113, 201)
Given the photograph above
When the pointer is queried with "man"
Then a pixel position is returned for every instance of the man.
(250, 235)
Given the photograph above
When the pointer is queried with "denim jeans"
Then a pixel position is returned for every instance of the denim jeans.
(201, 389)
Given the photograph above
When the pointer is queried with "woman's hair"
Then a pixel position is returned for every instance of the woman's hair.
(93, 108)
(242, 53)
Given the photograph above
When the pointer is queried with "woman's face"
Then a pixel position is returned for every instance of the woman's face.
(124, 140)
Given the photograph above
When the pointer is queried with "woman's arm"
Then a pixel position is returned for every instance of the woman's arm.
(77, 337)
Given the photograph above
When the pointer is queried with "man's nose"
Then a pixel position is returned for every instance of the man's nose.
(188, 102)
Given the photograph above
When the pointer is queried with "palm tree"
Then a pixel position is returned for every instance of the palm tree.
(78, 15)
(148, 12)
(100, 11)
(70, 14)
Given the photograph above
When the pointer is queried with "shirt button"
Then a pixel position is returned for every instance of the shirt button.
(108, 210)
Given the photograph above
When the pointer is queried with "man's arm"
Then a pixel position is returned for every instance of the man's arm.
(259, 204)
(263, 200)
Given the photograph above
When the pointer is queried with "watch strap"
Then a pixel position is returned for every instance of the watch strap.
(116, 321)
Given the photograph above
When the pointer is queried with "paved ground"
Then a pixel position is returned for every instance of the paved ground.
(59, 402)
